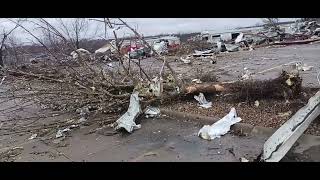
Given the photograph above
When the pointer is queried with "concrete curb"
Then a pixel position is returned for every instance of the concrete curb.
(303, 143)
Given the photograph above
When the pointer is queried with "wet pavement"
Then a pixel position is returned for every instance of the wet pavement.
(157, 140)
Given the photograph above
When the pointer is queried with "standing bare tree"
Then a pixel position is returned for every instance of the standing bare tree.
(75, 29)
(4, 37)
(270, 22)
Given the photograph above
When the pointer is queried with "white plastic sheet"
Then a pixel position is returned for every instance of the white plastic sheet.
(221, 127)
(202, 101)
(126, 121)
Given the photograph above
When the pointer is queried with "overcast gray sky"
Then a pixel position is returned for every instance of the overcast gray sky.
(154, 26)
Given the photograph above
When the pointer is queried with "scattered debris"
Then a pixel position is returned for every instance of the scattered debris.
(221, 46)
(246, 75)
(202, 101)
(186, 60)
(126, 121)
(152, 112)
(96, 90)
(256, 103)
(242, 159)
(220, 127)
(82, 119)
(197, 81)
(239, 38)
(82, 52)
(33, 136)
(160, 47)
(156, 86)
(209, 52)
(60, 133)
(4, 77)
(231, 47)
(9, 154)
(285, 114)
(151, 154)
(303, 67)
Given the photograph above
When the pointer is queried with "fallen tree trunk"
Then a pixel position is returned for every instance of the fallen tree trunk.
(285, 86)
(204, 88)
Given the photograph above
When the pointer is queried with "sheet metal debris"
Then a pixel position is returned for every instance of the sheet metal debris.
(284, 138)
(231, 47)
(127, 120)
(61, 133)
(303, 67)
(82, 52)
(152, 112)
(246, 75)
(239, 38)
(242, 159)
(33, 136)
(221, 127)
(197, 81)
(186, 60)
(202, 101)
(205, 53)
